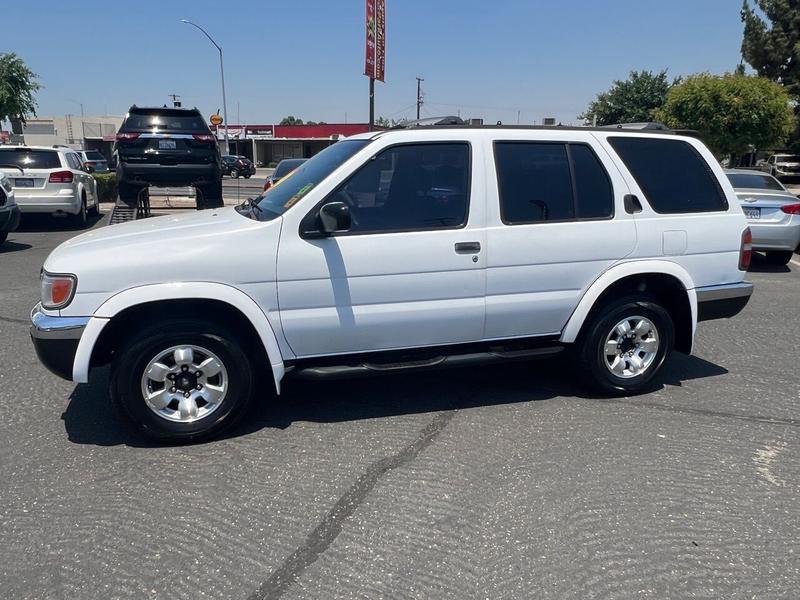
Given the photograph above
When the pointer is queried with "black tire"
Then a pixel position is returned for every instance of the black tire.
(3, 237)
(235, 173)
(248, 176)
(592, 343)
(779, 257)
(81, 220)
(128, 192)
(95, 210)
(209, 195)
(130, 362)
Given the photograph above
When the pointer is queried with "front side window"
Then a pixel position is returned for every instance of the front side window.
(409, 187)
(672, 174)
(540, 182)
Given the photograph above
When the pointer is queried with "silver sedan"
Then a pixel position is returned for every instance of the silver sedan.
(772, 211)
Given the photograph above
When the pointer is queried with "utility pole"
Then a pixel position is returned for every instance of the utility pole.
(419, 95)
(176, 100)
(371, 103)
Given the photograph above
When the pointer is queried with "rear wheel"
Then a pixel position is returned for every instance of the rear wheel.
(235, 173)
(209, 195)
(779, 258)
(3, 237)
(182, 380)
(80, 220)
(127, 192)
(625, 345)
(248, 176)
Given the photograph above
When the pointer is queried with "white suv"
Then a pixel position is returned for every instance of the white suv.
(405, 249)
(49, 179)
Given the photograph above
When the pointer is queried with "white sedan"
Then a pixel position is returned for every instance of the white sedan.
(50, 180)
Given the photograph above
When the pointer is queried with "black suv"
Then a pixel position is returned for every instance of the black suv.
(236, 166)
(168, 147)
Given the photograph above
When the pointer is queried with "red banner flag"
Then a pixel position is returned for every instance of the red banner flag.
(375, 62)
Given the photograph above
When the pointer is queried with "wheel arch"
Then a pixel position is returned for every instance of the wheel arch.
(219, 302)
(666, 280)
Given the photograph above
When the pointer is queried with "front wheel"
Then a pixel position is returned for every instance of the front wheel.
(235, 173)
(625, 345)
(779, 258)
(182, 381)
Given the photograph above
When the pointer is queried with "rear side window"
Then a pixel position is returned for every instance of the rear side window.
(672, 174)
(30, 159)
(541, 182)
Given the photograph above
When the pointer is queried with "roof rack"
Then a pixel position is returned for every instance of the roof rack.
(651, 126)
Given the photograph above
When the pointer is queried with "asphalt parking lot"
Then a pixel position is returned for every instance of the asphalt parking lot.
(494, 482)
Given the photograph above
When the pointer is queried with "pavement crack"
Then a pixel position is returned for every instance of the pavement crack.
(705, 412)
(319, 540)
(13, 320)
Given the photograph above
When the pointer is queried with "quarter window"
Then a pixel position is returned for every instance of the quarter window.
(409, 187)
(672, 174)
(540, 182)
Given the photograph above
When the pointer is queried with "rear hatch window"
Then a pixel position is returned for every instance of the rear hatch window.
(164, 120)
(29, 159)
(94, 156)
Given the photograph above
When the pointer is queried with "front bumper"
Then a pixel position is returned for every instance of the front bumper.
(9, 218)
(722, 301)
(56, 340)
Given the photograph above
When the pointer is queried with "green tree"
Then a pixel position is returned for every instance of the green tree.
(730, 112)
(291, 120)
(771, 44)
(631, 101)
(18, 89)
(384, 122)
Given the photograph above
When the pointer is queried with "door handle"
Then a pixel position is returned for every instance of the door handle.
(468, 247)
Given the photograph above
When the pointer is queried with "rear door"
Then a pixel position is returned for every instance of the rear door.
(556, 221)
(409, 272)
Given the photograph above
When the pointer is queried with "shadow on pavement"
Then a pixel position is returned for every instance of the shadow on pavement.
(8, 246)
(43, 223)
(90, 418)
(759, 264)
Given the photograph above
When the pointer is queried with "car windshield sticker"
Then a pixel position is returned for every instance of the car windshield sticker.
(299, 194)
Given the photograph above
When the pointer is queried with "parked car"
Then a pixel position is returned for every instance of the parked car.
(783, 166)
(94, 161)
(9, 211)
(168, 147)
(282, 169)
(405, 249)
(772, 211)
(50, 180)
(236, 166)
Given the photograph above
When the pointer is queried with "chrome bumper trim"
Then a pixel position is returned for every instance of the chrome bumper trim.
(727, 291)
(48, 327)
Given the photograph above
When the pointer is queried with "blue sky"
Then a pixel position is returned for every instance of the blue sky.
(305, 57)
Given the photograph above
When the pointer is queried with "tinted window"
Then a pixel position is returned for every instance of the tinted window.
(409, 187)
(73, 161)
(534, 182)
(94, 156)
(671, 173)
(30, 159)
(754, 181)
(286, 166)
(593, 193)
(282, 196)
(164, 120)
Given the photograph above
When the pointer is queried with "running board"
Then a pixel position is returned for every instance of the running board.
(437, 362)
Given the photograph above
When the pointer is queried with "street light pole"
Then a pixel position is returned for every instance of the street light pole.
(222, 75)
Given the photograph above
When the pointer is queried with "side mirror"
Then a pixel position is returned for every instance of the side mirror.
(334, 216)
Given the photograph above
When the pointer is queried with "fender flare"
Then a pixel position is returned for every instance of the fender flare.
(638, 267)
(177, 291)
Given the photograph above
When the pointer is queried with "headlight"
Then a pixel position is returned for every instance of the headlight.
(57, 290)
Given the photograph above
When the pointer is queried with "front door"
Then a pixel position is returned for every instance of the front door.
(410, 270)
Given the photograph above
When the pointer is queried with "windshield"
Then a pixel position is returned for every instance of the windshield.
(30, 159)
(787, 158)
(754, 181)
(286, 166)
(286, 193)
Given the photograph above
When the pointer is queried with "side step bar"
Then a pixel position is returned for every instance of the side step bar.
(437, 362)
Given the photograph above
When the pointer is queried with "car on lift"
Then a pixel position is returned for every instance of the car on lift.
(168, 147)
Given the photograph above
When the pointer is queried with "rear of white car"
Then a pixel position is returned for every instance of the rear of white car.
(49, 180)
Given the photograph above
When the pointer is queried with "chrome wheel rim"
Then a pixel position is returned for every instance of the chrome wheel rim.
(631, 347)
(184, 383)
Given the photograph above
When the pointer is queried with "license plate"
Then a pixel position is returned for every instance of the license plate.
(23, 182)
(166, 144)
(752, 213)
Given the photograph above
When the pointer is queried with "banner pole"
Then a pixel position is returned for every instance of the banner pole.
(371, 103)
